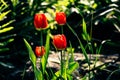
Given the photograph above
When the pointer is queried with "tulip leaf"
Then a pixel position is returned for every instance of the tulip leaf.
(38, 74)
(72, 67)
(56, 75)
(70, 50)
(45, 57)
(31, 54)
(69, 77)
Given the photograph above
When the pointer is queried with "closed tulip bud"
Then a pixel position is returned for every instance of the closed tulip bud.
(39, 51)
(59, 41)
(60, 18)
(40, 21)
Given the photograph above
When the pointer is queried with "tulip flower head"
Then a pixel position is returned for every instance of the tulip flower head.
(40, 21)
(60, 18)
(59, 41)
(39, 51)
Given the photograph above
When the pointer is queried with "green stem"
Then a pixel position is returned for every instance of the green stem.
(91, 25)
(62, 30)
(61, 63)
(98, 52)
(65, 65)
(41, 38)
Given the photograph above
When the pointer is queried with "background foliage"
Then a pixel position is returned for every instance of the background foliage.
(16, 22)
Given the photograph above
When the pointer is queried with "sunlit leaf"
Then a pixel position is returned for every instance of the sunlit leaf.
(84, 26)
(85, 33)
(70, 77)
(6, 29)
(38, 74)
(2, 7)
(6, 24)
(2, 16)
(31, 53)
(56, 75)
(72, 66)
(4, 2)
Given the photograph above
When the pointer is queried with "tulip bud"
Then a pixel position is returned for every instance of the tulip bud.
(39, 51)
(59, 41)
(60, 18)
(40, 21)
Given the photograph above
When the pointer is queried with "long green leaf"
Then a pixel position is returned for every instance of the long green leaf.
(45, 57)
(38, 74)
(6, 29)
(84, 26)
(85, 34)
(31, 53)
(80, 43)
(6, 24)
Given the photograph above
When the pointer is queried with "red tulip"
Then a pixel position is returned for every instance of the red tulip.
(60, 18)
(40, 21)
(59, 41)
(39, 51)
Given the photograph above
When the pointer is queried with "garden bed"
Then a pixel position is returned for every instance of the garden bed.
(105, 65)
